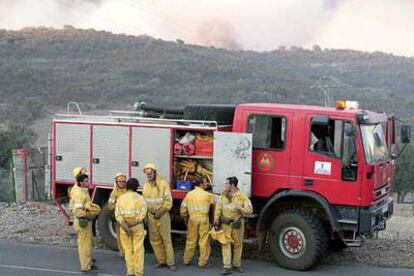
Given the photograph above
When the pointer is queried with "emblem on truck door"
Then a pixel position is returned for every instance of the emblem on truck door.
(265, 162)
(322, 168)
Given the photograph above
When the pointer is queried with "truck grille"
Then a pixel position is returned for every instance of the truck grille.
(380, 195)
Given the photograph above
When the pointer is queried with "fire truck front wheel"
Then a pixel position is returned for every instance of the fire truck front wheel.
(298, 240)
(106, 225)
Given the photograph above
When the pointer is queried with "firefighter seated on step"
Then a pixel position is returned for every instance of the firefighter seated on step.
(157, 194)
(130, 212)
(119, 189)
(84, 211)
(231, 208)
(195, 209)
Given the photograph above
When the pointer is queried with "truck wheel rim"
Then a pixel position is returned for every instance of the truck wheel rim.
(292, 242)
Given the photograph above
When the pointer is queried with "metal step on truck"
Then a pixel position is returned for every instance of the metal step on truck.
(319, 178)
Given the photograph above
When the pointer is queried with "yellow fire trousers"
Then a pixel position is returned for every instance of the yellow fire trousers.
(134, 249)
(198, 228)
(237, 236)
(160, 238)
(85, 244)
(118, 239)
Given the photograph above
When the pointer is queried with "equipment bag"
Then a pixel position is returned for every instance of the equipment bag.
(83, 222)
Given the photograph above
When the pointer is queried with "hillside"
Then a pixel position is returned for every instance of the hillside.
(42, 69)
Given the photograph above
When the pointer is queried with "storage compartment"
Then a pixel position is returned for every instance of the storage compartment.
(193, 157)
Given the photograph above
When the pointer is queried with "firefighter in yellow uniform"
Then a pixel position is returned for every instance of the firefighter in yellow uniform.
(84, 211)
(76, 172)
(157, 194)
(130, 213)
(232, 206)
(119, 189)
(195, 212)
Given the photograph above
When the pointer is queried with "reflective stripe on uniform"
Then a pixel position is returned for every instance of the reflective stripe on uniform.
(78, 205)
(129, 211)
(199, 208)
(111, 200)
(229, 207)
(154, 199)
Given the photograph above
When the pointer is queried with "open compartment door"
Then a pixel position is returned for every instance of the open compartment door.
(232, 157)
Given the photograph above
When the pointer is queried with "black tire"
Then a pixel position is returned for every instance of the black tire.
(106, 225)
(298, 240)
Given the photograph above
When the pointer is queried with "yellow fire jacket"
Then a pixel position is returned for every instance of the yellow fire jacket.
(197, 201)
(81, 205)
(157, 195)
(239, 206)
(130, 207)
(115, 194)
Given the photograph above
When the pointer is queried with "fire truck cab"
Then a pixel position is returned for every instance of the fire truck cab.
(318, 177)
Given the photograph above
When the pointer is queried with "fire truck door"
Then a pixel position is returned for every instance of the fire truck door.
(232, 157)
(110, 153)
(272, 141)
(72, 149)
(323, 167)
(151, 145)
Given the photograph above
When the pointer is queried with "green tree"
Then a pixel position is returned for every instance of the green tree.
(33, 109)
(13, 136)
(317, 48)
(404, 180)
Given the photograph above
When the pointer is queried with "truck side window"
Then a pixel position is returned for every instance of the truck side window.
(327, 139)
(268, 131)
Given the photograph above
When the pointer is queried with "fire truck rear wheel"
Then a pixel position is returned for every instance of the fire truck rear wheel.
(298, 240)
(106, 225)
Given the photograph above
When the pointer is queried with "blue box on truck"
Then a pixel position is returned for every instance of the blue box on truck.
(184, 185)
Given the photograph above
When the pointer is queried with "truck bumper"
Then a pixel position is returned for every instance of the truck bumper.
(374, 218)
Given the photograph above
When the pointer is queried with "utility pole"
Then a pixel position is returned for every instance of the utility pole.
(324, 84)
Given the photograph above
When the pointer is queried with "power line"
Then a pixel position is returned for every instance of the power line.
(325, 83)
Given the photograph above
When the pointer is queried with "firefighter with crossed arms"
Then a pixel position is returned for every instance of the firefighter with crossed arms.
(231, 208)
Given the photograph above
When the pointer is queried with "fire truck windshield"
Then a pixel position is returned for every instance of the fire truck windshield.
(375, 146)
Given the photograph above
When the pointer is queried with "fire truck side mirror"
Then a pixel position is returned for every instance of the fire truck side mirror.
(405, 134)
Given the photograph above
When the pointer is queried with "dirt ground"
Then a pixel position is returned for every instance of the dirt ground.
(393, 247)
(42, 223)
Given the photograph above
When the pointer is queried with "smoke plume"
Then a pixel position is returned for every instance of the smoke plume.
(371, 25)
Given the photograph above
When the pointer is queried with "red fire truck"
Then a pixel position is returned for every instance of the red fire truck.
(318, 177)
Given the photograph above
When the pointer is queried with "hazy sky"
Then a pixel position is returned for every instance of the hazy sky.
(368, 25)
